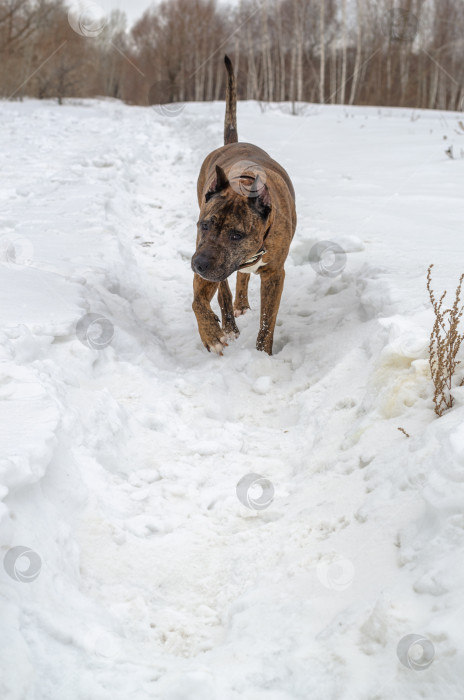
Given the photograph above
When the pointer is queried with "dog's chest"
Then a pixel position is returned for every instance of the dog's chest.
(254, 268)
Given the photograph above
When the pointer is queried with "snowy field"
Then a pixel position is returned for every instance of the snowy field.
(145, 575)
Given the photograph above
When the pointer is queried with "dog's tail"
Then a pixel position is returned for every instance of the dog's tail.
(230, 121)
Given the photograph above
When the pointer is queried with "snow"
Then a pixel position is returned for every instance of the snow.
(122, 447)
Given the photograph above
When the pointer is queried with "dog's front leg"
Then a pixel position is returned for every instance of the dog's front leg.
(272, 284)
(211, 334)
(227, 311)
(241, 304)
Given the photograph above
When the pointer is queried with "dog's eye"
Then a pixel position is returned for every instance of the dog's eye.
(203, 225)
(236, 236)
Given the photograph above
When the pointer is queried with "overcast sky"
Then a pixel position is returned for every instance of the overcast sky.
(135, 8)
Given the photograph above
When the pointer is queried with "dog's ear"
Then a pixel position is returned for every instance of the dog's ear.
(259, 198)
(219, 183)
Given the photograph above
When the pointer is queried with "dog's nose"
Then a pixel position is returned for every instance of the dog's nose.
(201, 263)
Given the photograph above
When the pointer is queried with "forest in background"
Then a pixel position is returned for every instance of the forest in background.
(334, 51)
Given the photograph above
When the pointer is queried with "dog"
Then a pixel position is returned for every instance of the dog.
(246, 224)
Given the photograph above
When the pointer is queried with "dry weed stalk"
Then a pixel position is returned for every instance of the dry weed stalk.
(445, 341)
(402, 430)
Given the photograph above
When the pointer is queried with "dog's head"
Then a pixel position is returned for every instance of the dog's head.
(234, 219)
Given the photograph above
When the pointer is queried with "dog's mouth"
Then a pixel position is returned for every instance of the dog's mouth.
(253, 260)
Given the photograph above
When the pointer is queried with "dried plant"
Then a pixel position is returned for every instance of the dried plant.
(402, 430)
(445, 341)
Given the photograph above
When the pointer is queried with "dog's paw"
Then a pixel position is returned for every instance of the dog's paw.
(213, 337)
(217, 345)
(230, 329)
(241, 311)
(231, 334)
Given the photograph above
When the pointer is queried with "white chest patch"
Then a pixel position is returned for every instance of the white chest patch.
(254, 268)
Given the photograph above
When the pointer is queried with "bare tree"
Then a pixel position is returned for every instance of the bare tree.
(322, 50)
(344, 54)
(386, 53)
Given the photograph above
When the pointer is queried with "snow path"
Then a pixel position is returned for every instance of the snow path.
(119, 465)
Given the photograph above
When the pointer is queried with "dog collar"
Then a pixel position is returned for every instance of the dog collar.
(253, 260)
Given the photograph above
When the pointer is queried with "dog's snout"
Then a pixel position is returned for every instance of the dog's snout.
(201, 263)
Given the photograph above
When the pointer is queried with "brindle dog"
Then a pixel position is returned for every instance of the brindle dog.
(246, 224)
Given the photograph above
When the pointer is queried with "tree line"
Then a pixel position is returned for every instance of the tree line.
(333, 51)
